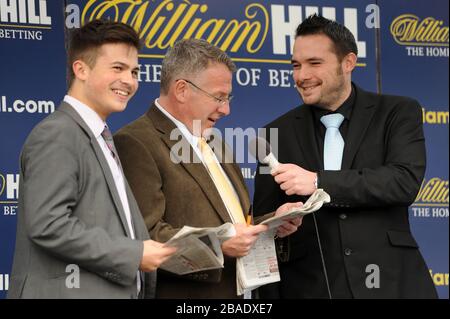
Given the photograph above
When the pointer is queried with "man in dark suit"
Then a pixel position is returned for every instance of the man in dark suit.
(80, 233)
(194, 187)
(371, 162)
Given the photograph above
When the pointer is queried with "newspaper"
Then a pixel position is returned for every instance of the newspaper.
(199, 249)
(260, 266)
(314, 203)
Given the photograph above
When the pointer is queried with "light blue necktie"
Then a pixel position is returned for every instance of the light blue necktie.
(333, 146)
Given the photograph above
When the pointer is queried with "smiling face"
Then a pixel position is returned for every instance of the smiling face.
(217, 81)
(109, 84)
(320, 77)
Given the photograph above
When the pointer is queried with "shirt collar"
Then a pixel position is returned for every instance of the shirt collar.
(89, 116)
(192, 139)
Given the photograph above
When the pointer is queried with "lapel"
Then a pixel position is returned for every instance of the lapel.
(140, 232)
(196, 169)
(66, 108)
(306, 137)
(362, 114)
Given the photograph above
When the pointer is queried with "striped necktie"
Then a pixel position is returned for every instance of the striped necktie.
(107, 136)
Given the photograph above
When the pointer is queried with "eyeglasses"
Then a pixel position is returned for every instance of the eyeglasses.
(220, 100)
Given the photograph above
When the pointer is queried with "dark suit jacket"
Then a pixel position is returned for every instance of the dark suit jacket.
(172, 195)
(71, 213)
(366, 222)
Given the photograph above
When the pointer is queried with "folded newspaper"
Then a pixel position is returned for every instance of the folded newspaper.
(199, 249)
(260, 266)
(314, 203)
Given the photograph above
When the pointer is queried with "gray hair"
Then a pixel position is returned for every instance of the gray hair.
(190, 57)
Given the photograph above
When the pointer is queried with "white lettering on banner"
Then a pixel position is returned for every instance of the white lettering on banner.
(434, 212)
(421, 211)
(440, 212)
(10, 184)
(280, 78)
(20, 34)
(415, 51)
(24, 11)
(149, 73)
(427, 51)
(30, 106)
(4, 282)
(437, 52)
(245, 77)
(282, 27)
(10, 210)
(351, 22)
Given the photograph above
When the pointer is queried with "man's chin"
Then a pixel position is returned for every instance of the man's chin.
(118, 108)
(309, 100)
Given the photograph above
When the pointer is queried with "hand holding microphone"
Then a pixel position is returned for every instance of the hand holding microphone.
(293, 179)
(262, 151)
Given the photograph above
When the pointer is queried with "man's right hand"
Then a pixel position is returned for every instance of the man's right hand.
(154, 255)
(295, 180)
(240, 244)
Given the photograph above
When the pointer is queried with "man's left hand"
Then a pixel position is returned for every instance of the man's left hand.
(290, 225)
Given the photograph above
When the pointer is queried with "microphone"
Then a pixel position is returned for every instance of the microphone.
(262, 151)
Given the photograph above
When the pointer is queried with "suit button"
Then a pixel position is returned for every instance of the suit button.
(343, 216)
(348, 251)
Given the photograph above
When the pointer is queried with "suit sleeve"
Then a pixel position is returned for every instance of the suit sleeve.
(51, 189)
(146, 182)
(397, 181)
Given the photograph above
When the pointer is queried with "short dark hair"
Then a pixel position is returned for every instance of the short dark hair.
(343, 40)
(85, 41)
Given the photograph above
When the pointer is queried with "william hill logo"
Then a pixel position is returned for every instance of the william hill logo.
(408, 29)
(9, 187)
(32, 12)
(435, 117)
(161, 24)
(433, 191)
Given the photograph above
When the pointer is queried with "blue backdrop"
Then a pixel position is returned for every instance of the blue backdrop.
(403, 49)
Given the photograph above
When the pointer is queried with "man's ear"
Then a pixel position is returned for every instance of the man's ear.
(180, 90)
(349, 62)
(80, 69)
